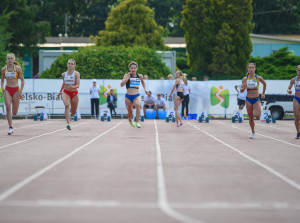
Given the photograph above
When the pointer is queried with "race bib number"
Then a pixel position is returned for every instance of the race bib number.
(135, 82)
(251, 84)
(10, 75)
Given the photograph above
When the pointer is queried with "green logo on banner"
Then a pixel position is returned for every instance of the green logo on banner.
(222, 97)
(1, 98)
(104, 92)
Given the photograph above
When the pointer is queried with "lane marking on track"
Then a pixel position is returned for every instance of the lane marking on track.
(269, 137)
(268, 126)
(24, 127)
(163, 202)
(116, 204)
(264, 166)
(29, 179)
(44, 134)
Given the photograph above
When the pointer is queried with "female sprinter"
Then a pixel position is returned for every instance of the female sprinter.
(12, 92)
(296, 103)
(71, 82)
(251, 82)
(132, 80)
(179, 86)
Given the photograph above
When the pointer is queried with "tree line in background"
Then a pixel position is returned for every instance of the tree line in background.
(216, 31)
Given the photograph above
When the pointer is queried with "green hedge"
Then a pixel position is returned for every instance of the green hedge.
(109, 63)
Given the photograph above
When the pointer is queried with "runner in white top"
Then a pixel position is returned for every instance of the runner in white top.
(178, 98)
(241, 96)
(296, 102)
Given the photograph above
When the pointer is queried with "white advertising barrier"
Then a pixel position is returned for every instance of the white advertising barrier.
(214, 97)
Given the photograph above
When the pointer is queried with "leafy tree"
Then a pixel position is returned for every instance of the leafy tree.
(23, 25)
(109, 62)
(217, 35)
(85, 18)
(276, 16)
(131, 23)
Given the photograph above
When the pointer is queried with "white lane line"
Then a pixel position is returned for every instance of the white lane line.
(279, 140)
(269, 169)
(269, 137)
(163, 202)
(116, 204)
(268, 126)
(24, 127)
(29, 179)
(48, 133)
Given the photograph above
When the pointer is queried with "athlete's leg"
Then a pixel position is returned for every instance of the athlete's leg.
(176, 107)
(67, 102)
(74, 104)
(249, 107)
(8, 101)
(137, 104)
(129, 109)
(257, 110)
(296, 108)
(179, 102)
(15, 103)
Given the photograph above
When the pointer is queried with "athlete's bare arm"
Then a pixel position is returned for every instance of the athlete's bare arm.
(292, 82)
(244, 85)
(260, 79)
(62, 86)
(19, 70)
(125, 79)
(176, 82)
(77, 78)
(2, 80)
(143, 83)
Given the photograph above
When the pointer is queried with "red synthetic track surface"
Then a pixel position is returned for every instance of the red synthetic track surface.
(111, 172)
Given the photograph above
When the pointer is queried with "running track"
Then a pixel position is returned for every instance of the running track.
(111, 172)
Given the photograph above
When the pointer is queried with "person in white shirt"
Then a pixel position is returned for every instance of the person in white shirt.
(241, 96)
(149, 102)
(94, 92)
(186, 98)
(160, 103)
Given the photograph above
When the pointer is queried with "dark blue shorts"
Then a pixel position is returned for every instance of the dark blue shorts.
(132, 97)
(297, 99)
(252, 100)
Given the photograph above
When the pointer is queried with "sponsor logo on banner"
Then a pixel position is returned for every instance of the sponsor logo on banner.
(219, 96)
(1, 98)
(104, 92)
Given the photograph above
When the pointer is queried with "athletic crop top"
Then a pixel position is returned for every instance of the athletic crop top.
(133, 82)
(180, 87)
(70, 80)
(296, 84)
(252, 84)
(11, 75)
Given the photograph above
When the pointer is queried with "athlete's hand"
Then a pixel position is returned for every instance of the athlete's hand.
(2, 93)
(170, 97)
(58, 95)
(289, 91)
(20, 95)
(263, 96)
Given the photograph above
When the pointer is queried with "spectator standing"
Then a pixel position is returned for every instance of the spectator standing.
(111, 101)
(186, 98)
(94, 92)
(241, 98)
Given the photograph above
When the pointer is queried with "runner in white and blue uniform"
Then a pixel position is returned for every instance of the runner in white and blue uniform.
(251, 83)
(178, 98)
(296, 103)
(132, 80)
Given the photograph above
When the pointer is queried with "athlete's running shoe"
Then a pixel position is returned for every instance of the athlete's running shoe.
(178, 125)
(69, 127)
(10, 131)
(138, 125)
(297, 136)
(252, 135)
(181, 123)
(132, 123)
